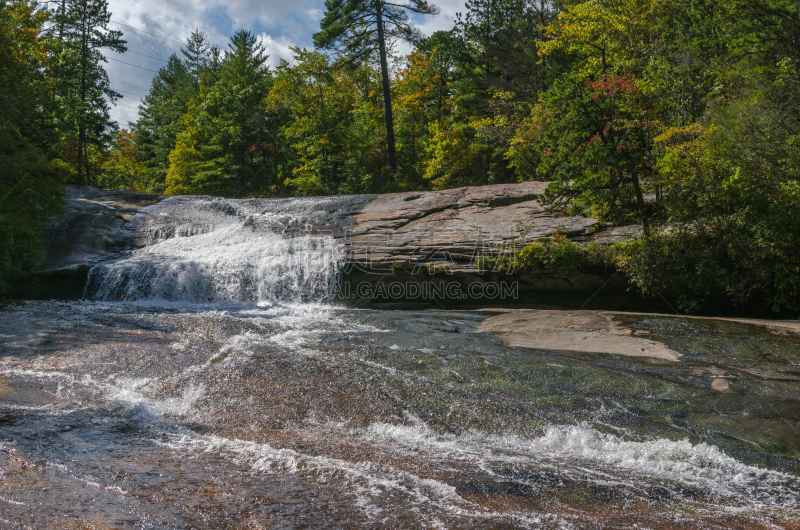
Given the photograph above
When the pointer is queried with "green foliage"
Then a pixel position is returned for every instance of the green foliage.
(747, 259)
(157, 128)
(227, 146)
(731, 190)
(161, 115)
(81, 84)
(500, 51)
(561, 257)
(422, 99)
(557, 256)
(31, 178)
(334, 132)
(351, 26)
(458, 155)
(358, 29)
(597, 147)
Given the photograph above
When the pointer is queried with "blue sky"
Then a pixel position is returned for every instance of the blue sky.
(156, 28)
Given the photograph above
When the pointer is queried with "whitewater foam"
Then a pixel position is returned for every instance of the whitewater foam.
(584, 453)
(372, 484)
(215, 250)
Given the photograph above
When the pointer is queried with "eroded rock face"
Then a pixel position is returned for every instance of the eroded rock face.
(418, 237)
(398, 228)
(92, 227)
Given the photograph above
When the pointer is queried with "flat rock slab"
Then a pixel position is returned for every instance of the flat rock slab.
(602, 332)
(397, 227)
(579, 331)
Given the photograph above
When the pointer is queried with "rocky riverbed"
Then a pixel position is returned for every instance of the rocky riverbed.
(166, 415)
(216, 375)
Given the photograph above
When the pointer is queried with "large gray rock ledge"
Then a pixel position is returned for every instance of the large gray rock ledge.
(405, 237)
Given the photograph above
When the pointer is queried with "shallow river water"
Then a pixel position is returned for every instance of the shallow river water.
(165, 408)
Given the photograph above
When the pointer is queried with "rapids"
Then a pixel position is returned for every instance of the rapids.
(210, 381)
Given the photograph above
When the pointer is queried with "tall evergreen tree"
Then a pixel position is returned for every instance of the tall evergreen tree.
(502, 54)
(171, 90)
(226, 145)
(82, 84)
(359, 28)
(159, 118)
(198, 54)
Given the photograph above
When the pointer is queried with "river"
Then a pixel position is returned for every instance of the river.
(209, 381)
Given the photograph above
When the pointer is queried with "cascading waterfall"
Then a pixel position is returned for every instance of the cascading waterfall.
(202, 249)
(257, 411)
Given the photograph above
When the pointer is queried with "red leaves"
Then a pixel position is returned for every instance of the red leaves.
(613, 85)
(264, 150)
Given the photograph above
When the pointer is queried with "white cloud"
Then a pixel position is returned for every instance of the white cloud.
(296, 20)
(429, 25)
(444, 20)
(277, 48)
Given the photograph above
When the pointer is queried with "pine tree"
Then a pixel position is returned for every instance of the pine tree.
(171, 90)
(197, 53)
(359, 28)
(82, 84)
(159, 118)
(225, 146)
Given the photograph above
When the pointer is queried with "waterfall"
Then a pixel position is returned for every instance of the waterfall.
(203, 249)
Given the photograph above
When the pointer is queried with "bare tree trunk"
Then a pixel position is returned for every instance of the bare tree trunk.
(83, 162)
(387, 95)
(640, 204)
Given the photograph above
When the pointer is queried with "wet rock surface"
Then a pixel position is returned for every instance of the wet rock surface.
(129, 415)
(92, 227)
(397, 237)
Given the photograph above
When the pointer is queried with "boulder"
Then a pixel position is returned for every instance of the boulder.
(90, 229)
(432, 239)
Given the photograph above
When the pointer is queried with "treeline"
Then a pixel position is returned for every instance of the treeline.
(681, 116)
(54, 114)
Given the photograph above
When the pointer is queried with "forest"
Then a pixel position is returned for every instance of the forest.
(680, 115)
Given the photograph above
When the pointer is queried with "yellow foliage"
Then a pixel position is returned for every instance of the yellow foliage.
(455, 154)
(183, 159)
(607, 34)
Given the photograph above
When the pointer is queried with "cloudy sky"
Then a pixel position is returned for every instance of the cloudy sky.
(156, 28)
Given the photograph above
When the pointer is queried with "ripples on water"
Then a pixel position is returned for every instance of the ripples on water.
(170, 411)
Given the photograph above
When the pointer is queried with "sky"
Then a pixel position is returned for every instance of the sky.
(154, 29)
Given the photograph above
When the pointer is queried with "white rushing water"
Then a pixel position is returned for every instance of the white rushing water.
(218, 250)
(212, 371)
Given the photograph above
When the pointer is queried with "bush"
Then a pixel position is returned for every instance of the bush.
(558, 256)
